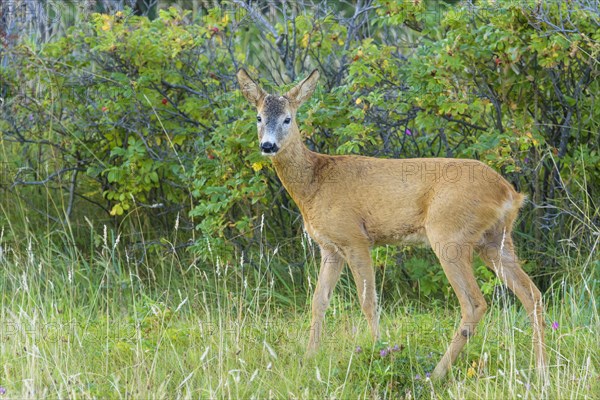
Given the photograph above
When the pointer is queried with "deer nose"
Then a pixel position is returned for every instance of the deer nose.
(268, 147)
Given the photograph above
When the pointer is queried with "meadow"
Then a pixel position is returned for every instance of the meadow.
(90, 324)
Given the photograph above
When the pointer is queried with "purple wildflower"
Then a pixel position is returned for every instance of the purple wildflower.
(428, 375)
(31, 117)
(555, 325)
(358, 350)
(526, 160)
(2, 390)
(384, 352)
(417, 377)
(396, 348)
(408, 132)
(527, 386)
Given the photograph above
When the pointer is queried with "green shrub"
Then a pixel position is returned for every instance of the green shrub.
(139, 118)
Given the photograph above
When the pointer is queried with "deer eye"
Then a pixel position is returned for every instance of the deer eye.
(287, 120)
(258, 118)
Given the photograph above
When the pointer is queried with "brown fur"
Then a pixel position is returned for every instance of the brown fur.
(351, 203)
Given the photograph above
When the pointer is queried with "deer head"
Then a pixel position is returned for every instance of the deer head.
(276, 118)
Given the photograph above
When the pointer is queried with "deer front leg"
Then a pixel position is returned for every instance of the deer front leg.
(359, 260)
(329, 274)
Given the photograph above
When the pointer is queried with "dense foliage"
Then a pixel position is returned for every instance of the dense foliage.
(125, 117)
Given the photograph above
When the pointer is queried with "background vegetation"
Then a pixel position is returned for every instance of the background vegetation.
(132, 194)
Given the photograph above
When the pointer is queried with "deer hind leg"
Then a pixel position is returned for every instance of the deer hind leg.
(456, 259)
(497, 251)
(359, 261)
(332, 264)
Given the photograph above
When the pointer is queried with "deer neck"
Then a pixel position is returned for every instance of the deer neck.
(294, 165)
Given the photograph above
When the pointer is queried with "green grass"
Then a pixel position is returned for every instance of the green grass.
(99, 323)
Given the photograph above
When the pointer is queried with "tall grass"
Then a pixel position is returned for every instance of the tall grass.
(96, 319)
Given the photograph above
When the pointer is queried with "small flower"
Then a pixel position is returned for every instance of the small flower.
(471, 372)
(104, 109)
(417, 377)
(427, 375)
(31, 117)
(396, 348)
(526, 160)
(358, 350)
(384, 352)
(555, 325)
(408, 132)
(2, 390)
(527, 386)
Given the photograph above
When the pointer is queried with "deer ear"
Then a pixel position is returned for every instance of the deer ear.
(250, 89)
(301, 92)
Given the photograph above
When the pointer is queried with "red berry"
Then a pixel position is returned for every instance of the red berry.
(104, 109)
(165, 101)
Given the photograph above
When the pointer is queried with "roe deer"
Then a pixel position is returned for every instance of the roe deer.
(351, 203)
